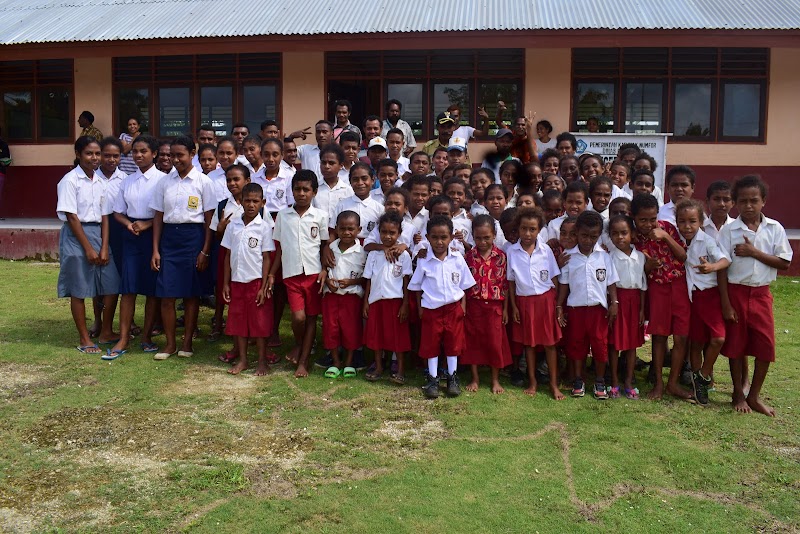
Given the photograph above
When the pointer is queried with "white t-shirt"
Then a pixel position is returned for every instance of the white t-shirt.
(247, 244)
(301, 238)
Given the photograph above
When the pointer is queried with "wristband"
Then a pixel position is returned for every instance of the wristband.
(204, 254)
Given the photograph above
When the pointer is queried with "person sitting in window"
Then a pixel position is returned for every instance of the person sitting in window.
(86, 121)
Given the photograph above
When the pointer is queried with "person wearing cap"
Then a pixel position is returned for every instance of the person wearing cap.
(502, 142)
(377, 149)
(445, 125)
(393, 120)
(456, 151)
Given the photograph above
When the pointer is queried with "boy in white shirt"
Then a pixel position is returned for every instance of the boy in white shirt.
(680, 186)
(576, 200)
(248, 242)
(387, 179)
(301, 232)
(719, 204)
(589, 278)
(441, 277)
(369, 210)
(332, 188)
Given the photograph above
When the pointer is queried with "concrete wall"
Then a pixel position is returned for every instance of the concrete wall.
(303, 91)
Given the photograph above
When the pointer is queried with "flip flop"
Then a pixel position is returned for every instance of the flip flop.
(273, 358)
(84, 349)
(112, 354)
(148, 347)
(398, 379)
(185, 354)
(332, 372)
(110, 342)
(228, 357)
(372, 376)
(349, 372)
(160, 356)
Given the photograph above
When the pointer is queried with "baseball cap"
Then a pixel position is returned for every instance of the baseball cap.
(503, 131)
(377, 141)
(457, 143)
(444, 118)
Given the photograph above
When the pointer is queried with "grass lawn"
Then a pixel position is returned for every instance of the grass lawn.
(138, 445)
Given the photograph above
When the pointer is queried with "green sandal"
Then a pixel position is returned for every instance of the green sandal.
(332, 372)
(349, 372)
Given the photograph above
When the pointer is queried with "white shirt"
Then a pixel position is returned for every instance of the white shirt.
(464, 132)
(554, 228)
(369, 210)
(408, 133)
(702, 246)
(588, 277)
(407, 231)
(289, 168)
(349, 264)
(232, 208)
(455, 246)
(309, 159)
(541, 146)
(196, 163)
(278, 191)
(85, 196)
(667, 213)
(136, 193)
(657, 192)
(711, 229)
(630, 269)
(533, 273)
(184, 200)
(247, 244)
(113, 184)
(420, 220)
(217, 177)
(378, 195)
(442, 282)
(403, 166)
(770, 237)
(476, 209)
(301, 239)
(386, 278)
(327, 197)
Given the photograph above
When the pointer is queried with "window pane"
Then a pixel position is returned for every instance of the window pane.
(410, 94)
(742, 113)
(595, 100)
(693, 109)
(643, 107)
(490, 94)
(174, 111)
(17, 115)
(216, 109)
(446, 94)
(133, 103)
(54, 107)
(259, 105)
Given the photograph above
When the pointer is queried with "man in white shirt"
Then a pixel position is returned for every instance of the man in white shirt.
(393, 120)
(468, 132)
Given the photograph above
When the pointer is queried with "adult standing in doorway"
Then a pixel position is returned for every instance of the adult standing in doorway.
(5, 161)
(343, 108)
(393, 120)
(86, 121)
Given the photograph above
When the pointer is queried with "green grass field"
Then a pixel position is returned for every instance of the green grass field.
(138, 445)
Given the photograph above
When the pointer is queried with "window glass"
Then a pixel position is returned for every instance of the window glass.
(259, 105)
(216, 109)
(410, 94)
(54, 112)
(693, 109)
(488, 96)
(643, 105)
(595, 100)
(174, 111)
(133, 103)
(447, 94)
(742, 110)
(17, 115)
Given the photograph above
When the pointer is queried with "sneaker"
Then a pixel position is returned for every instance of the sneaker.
(453, 387)
(442, 376)
(600, 392)
(517, 378)
(326, 361)
(700, 388)
(578, 388)
(431, 388)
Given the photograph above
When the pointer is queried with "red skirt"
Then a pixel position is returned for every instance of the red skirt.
(587, 326)
(342, 324)
(754, 333)
(707, 321)
(245, 317)
(516, 347)
(670, 308)
(442, 331)
(484, 328)
(384, 330)
(538, 323)
(626, 333)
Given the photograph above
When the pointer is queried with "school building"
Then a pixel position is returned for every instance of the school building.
(722, 77)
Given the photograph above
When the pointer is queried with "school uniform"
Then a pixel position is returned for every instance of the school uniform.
(403, 165)
(407, 231)
(384, 331)
(277, 192)
(483, 325)
(711, 229)
(667, 213)
(247, 244)
(84, 196)
(588, 278)
(115, 229)
(342, 309)
(455, 246)
(309, 159)
(420, 220)
(301, 237)
(369, 211)
(626, 333)
(133, 201)
(553, 230)
(217, 177)
(327, 197)
(748, 288)
(707, 321)
(442, 283)
(227, 207)
(378, 195)
(462, 223)
(535, 293)
(183, 202)
(657, 192)
(478, 209)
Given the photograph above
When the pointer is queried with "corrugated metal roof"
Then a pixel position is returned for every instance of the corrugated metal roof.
(53, 21)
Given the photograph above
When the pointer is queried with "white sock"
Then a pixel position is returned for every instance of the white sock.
(433, 367)
(452, 364)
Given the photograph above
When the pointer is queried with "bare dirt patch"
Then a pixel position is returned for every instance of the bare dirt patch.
(20, 380)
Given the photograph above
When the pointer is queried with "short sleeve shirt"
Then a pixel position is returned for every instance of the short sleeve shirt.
(671, 268)
(588, 277)
(327, 197)
(113, 185)
(349, 265)
(491, 282)
(247, 243)
(278, 191)
(442, 282)
(83, 195)
(301, 238)
(386, 278)
(184, 200)
(369, 210)
(703, 247)
(770, 237)
(533, 273)
(136, 194)
(630, 269)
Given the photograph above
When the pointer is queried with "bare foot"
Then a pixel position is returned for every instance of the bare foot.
(472, 386)
(530, 391)
(292, 355)
(679, 392)
(120, 346)
(656, 393)
(746, 388)
(263, 367)
(114, 336)
(274, 340)
(497, 388)
(238, 368)
(557, 395)
(301, 371)
(758, 406)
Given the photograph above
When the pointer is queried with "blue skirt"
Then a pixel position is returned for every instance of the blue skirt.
(115, 232)
(137, 251)
(77, 277)
(180, 246)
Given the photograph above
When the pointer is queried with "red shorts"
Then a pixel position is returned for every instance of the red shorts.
(384, 330)
(754, 333)
(670, 308)
(302, 292)
(707, 322)
(484, 328)
(626, 333)
(538, 323)
(413, 308)
(245, 318)
(587, 326)
(342, 325)
(442, 330)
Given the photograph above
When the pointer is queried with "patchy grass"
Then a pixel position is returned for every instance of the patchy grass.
(181, 445)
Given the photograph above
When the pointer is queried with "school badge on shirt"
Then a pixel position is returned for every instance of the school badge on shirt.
(544, 274)
(252, 242)
(370, 226)
(314, 231)
(279, 193)
(455, 277)
(601, 275)
(194, 203)
(397, 270)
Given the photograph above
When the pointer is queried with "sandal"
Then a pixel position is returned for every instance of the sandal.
(148, 347)
(157, 330)
(332, 372)
(613, 392)
(228, 357)
(214, 336)
(136, 330)
(273, 358)
(349, 372)
(398, 379)
(632, 394)
(373, 376)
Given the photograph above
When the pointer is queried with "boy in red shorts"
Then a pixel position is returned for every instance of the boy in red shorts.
(301, 232)
(758, 248)
(667, 292)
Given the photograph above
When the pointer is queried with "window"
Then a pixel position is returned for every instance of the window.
(427, 83)
(698, 94)
(173, 95)
(36, 103)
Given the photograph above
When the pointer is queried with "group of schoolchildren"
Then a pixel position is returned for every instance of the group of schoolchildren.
(561, 256)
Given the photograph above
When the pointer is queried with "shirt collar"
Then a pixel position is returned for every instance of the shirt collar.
(81, 174)
(339, 184)
(739, 223)
(577, 251)
(355, 249)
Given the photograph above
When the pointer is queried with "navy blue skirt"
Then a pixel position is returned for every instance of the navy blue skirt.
(180, 246)
(115, 233)
(137, 251)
